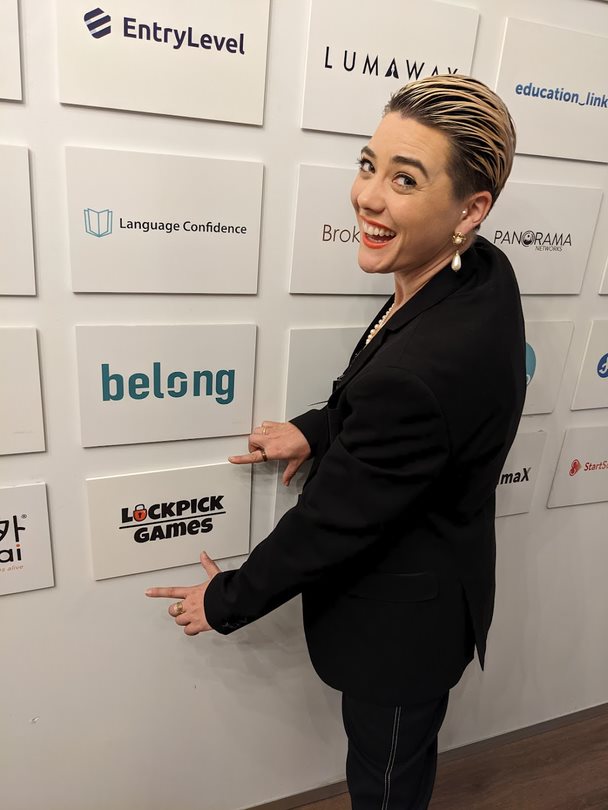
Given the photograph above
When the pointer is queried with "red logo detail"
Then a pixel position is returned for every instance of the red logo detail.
(576, 466)
(140, 512)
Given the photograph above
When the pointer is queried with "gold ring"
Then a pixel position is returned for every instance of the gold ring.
(264, 430)
(178, 609)
(263, 452)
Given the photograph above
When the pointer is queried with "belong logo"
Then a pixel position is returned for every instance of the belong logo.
(98, 23)
(141, 383)
(206, 383)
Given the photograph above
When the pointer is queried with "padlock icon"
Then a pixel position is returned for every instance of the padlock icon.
(140, 512)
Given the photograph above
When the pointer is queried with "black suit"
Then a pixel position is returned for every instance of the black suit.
(392, 541)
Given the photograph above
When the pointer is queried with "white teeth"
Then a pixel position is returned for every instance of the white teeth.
(371, 230)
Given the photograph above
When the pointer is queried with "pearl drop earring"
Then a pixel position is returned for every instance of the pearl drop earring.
(458, 239)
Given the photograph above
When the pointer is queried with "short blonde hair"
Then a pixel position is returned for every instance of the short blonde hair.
(476, 122)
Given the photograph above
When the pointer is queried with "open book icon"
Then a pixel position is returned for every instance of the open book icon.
(98, 223)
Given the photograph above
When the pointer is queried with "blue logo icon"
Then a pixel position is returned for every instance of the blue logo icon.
(602, 367)
(98, 23)
(530, 363)
(98, 223)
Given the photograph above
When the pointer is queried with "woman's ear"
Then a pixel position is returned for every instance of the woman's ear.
(475, 210)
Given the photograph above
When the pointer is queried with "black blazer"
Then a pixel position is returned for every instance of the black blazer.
(392, 541)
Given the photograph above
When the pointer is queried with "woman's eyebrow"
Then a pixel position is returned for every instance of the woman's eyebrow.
(405, 161)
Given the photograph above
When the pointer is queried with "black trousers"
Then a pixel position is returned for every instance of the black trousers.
(392, 753)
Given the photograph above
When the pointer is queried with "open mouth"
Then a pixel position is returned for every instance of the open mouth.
(376, 236)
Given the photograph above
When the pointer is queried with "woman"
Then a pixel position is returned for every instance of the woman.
(392, 542)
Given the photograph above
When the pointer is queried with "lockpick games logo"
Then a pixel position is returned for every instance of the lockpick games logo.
(168, 520)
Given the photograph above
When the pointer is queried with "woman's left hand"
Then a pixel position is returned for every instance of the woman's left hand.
(189, 610)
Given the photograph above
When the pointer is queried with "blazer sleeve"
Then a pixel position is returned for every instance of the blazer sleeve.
(313, 424)
(392, 446)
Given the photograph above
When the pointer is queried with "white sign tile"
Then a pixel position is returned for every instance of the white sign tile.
(17, 266)
(604, 287)
(582, 470)
(25, 544)
(326, 240)
(10, 59)
(309, 385)
(354, 65)
(158, 383)
(518, 479)
(144, 56)
(592, 387)
(551, 79)
(21, 423)
(165, 518)
(547, 344)
(132, 230)
(546, 231)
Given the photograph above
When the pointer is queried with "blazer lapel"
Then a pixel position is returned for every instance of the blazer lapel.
(439, 287)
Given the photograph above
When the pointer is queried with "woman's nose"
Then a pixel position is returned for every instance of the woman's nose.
(369, 195)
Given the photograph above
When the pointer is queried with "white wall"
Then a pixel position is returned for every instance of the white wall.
(102, 702)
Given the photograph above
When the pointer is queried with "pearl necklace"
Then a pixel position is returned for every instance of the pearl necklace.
(375, 329)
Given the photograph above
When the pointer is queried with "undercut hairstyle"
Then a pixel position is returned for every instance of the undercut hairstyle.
(476, 122)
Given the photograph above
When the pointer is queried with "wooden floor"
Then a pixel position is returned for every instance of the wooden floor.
(565, 768)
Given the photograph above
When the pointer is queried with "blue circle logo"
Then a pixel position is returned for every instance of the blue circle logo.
(602, 367)
(530, 363)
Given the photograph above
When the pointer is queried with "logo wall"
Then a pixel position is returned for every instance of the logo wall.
(158, 383)
(17, 267)
(546, 231)
(21, 425)
(559, 105)
(10, 60)
(518, 479)
(143, 222)
(25, 544)
(144, 57)
(309, 385)
(546, 353)
(353, 66)
(161, 519)
(326, 239)
(592, 387)
(582, 470)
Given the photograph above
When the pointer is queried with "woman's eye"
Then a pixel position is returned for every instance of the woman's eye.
(364, 164)
(405, 180)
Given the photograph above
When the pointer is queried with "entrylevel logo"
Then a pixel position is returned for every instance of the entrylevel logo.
(170, 519)
(98, 23)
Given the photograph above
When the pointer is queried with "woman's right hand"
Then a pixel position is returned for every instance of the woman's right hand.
(276, 441)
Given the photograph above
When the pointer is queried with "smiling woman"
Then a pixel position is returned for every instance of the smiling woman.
(392, 542)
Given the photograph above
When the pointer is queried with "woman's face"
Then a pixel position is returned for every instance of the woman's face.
(403, 187)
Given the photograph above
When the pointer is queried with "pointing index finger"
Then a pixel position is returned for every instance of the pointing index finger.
(167, 593)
